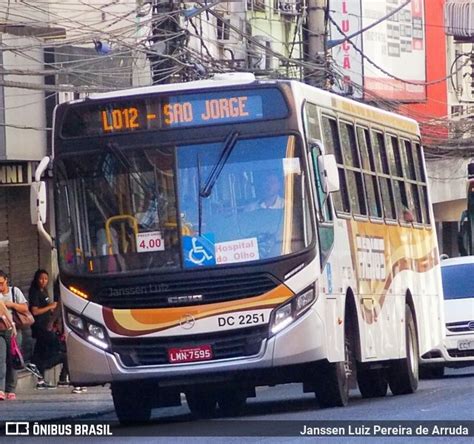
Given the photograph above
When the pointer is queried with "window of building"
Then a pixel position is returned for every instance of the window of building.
(222, 28)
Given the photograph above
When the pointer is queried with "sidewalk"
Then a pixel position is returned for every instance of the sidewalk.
(36, 405)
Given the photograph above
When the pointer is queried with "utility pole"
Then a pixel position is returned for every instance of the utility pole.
(317, 41)
(164, 41)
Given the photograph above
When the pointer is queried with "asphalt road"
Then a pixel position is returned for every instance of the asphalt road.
(447, 399)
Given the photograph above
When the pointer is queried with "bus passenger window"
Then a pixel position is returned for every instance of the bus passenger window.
(370, 179)
(386, 191)
(352, 167)
(332, 145)
(396, 168)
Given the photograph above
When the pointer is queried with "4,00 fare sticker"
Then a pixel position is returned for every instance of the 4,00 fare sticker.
(150, 241)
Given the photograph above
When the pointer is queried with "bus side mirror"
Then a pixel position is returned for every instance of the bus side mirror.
(328, 173)
(38, 206)
(38, 194)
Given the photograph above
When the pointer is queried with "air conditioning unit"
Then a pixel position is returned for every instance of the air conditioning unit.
(289, 7)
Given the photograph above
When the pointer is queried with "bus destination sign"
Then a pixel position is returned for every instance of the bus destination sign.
(142, 113)
(191, 112)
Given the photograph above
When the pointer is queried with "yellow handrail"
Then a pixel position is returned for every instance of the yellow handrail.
(110, 220)
(186, 228)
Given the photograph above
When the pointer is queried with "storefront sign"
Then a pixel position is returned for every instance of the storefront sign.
(15, 173)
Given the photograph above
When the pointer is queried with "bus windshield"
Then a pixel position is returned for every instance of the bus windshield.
(143, 208)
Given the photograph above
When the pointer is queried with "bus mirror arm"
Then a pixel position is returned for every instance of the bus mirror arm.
(41, 168)
(323, 204)
(44, 234)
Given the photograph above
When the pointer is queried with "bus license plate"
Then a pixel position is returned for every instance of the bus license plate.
(466, 344)
(189, 354)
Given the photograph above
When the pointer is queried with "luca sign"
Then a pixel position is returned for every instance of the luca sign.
(15, 173)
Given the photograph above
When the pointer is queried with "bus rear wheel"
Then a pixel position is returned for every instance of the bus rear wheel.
(132, 402)
(372, 382)
(403, 374)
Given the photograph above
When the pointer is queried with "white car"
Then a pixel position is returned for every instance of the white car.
(458, 347)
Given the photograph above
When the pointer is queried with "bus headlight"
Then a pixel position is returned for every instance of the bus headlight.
(87, 330)
(285, 315)
(75, 321)
(304, 300)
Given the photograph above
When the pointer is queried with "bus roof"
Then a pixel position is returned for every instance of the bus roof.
(354, 108)
(323, 98)
(219, 80)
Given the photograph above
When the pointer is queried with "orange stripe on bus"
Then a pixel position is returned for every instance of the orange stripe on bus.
(133, 322)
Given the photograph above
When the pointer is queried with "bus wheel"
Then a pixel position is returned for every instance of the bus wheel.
(372, 382)
(332, 383)
(231, 403)
(132, 401)
(403, 374)
(201, 403)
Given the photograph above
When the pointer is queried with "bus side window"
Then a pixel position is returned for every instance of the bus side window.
(413, 196)
(352, 167)
(383, 172)
(422, 187)
(370, 178)
(396, 170)
(332, 145)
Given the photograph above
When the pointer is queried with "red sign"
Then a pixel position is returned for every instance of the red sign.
(190, 354)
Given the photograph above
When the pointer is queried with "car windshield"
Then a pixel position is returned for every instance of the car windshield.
(143, 208)
(457, 281)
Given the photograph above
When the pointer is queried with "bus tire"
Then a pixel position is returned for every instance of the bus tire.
(372, 382)
(332, 380)
(202, 404)
(232, 403)
(132, 402)
(404, 373)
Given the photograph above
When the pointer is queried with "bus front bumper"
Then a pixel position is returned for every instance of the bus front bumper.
(299, 343)
(456, 351)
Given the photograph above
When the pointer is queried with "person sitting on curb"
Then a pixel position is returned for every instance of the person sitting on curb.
(49, 350)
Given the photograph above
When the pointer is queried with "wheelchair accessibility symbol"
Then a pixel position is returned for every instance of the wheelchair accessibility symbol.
(199, 250)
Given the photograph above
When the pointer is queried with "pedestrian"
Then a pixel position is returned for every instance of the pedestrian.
(8, 376)
(49, 350)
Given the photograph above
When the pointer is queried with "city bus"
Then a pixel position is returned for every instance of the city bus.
(220, 235)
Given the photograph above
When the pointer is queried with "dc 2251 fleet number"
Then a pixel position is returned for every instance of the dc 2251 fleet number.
(242, 319)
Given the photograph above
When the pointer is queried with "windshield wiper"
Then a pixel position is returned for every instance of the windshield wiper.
(229, 144)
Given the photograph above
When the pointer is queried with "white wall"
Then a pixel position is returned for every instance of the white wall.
(448, 179)
(24, 108)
